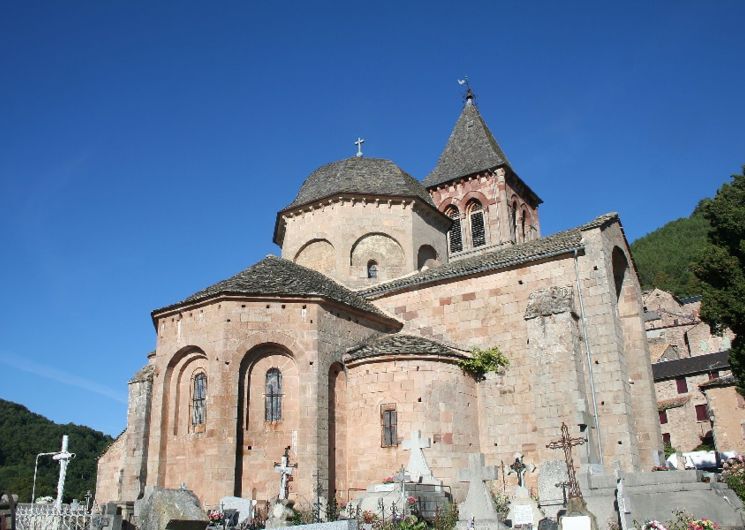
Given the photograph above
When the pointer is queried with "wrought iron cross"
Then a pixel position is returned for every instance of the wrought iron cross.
(566, 443)
(359, 143)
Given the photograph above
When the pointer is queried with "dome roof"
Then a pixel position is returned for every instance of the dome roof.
(360, 175)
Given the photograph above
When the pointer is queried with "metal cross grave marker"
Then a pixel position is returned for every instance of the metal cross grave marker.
(284, 468)
(566, 443)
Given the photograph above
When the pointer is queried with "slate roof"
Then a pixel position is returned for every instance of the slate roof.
(690, 365)
(471, 148)
(400, 344)
(275, 276)
(360, 175)
(545, 247)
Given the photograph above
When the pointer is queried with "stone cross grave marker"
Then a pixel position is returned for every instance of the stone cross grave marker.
(284, 468)
(417, 467)
(479, 505)
(566, 443)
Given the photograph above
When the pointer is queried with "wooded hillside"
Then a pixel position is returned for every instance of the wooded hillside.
(664, 257)
(24, 434)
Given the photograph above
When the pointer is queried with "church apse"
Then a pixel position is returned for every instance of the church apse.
(268, 416)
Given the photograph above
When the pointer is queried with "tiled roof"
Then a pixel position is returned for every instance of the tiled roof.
(672, 403)
(727, 380)
(360, 175)
(400, 344)
(690, 365)
(471, 148)
(275, 276)
(545, 247)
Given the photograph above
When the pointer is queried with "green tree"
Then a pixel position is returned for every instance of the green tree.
(663, 258)
(721, 269)
(24, 434)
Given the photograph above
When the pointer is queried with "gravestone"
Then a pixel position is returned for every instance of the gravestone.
(623, 504)
(285, 469)
(576, 522)
(167, 509)
(547, 524)
(552, 473)
(524, 510)
(280, 514)
(478, 510)
(244, 507)
(417, 467)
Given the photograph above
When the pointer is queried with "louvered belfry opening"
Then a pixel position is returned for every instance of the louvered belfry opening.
(455, 236)
(478, 228)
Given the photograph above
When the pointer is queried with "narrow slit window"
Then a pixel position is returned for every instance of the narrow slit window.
(478, 233)
(372, 269)
(389, 420)
(663, 417)
(198, 399)
(455, 236)
(273, 395)
(681, 385)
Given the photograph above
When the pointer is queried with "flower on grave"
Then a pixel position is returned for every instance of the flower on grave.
(388, 480)
(653, 525)
(411, 500)
(369, 517)
(215, 516)
(702, 524)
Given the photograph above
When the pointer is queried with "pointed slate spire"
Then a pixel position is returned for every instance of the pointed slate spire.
(471, 148)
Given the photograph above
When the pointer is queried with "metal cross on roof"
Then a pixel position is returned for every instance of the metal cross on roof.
(359, 143)
(566, 443)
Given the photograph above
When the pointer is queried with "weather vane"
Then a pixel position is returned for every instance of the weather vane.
(465, 82)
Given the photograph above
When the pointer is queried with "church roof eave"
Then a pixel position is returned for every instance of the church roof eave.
(278, 236)
(281, 278)
(402, 345)
(555, 245)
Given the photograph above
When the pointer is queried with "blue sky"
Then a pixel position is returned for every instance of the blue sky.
(145, 147)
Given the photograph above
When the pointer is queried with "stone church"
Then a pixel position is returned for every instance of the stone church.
(349, 342)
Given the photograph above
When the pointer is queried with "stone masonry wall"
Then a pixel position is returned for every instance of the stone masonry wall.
(488, 310)
(684, 429)
(429, 395)
(387, 231)
(229, 336)
(728, 413)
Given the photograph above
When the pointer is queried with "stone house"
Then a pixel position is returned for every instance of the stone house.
(686, 356)
(727, 410)
(352, 339)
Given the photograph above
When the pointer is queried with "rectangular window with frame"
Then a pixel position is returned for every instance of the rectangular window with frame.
(666, 439)
(702, 413)
(663, 417)
(681, 385)
(389, 422)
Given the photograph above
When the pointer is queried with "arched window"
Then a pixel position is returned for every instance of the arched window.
(426, 257)
(523, 223)
(372, 269)
(455, 237)
(513, 220)
(198, 399)
(273, 395)
(476, 219)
